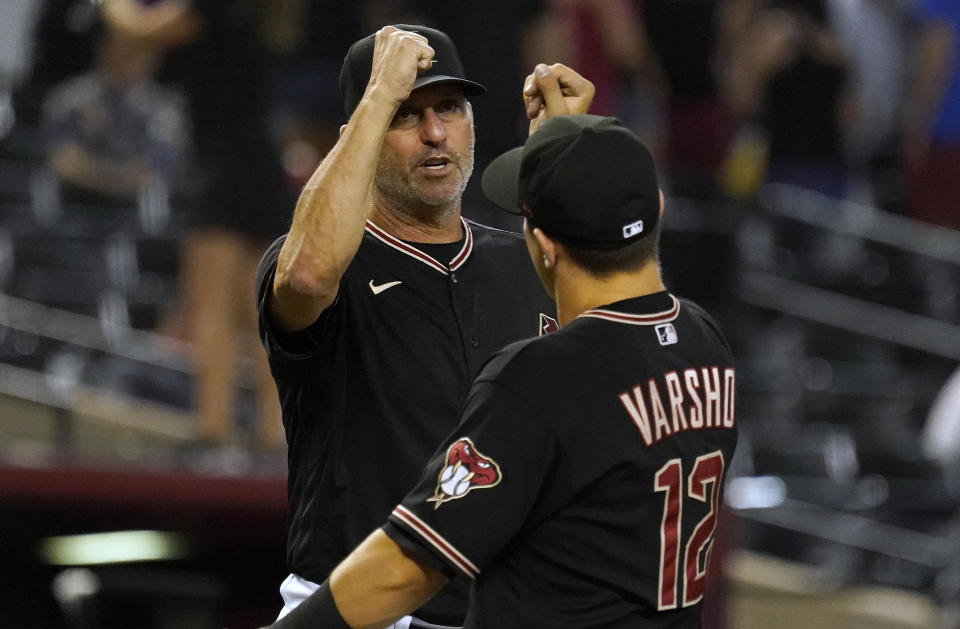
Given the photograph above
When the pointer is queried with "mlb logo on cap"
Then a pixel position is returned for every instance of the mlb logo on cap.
(633, 229)
(666, 333)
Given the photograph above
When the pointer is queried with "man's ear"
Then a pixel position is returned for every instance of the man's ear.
(548, 246)
(661, 198)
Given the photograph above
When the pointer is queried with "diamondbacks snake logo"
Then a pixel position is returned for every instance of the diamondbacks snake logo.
(465, 468)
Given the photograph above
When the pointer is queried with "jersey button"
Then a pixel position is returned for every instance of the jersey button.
(453, 278)
(476, 342)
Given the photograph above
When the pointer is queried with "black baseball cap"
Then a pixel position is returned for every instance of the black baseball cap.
(586, 180)
(447, 67)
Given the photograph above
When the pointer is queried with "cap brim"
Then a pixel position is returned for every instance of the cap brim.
(470, 88)
(501, 181)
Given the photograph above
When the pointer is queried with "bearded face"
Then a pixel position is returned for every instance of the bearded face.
(427, 155)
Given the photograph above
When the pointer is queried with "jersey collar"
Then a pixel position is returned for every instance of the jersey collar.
(458, 260)
(618, 316)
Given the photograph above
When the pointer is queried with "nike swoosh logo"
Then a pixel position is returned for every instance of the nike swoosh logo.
(377, 289)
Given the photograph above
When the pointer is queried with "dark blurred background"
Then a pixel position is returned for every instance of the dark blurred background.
(151, 149)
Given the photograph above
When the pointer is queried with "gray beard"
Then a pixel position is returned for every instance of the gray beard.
(398, 189)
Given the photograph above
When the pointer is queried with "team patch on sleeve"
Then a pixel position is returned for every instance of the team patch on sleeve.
(464, 468)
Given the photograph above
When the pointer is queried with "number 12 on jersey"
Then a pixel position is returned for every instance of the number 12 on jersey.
(703, 486)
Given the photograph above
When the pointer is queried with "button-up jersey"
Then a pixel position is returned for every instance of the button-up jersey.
(582, 488)
(371, 388)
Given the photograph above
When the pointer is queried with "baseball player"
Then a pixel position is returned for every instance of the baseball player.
(582, 487)
(382, 303)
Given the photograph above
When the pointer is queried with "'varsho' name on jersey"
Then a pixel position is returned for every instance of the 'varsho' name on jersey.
(698, 398)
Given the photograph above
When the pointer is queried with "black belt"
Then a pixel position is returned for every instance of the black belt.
(416, 623)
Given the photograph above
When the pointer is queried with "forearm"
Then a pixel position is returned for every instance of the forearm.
(329, 219)
(373, 587)
(379, 583)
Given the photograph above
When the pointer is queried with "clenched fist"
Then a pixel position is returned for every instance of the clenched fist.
(555, 90)
(398, 56)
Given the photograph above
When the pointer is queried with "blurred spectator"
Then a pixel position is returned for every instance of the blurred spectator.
(605, 40)
(931, 135)
(691, 39)
(63, 46)
(113, 130)
(306, 40)
(17, 23)
(873, 34)
(243, 203)
(790, 71)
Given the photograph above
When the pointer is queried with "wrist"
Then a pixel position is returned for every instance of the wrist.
(319, 611)
(376, 98)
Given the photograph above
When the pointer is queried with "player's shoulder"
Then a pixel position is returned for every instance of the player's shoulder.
(486, 237)
(505, 358)
(270, 257)
(696, 313)
(493, 233)
(539, 354)
(500, 251)
(693, 309)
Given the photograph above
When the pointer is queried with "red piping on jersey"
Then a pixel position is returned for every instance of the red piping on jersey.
(413, 252)
(461, 257)
(634, 319)
(437, 541)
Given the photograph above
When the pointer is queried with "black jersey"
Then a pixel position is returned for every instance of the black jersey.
(371, 388)
(581, 489)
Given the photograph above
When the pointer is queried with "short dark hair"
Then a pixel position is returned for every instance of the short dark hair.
(630, 257)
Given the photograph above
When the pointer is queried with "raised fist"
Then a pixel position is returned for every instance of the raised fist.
(398, 56)
(555, 90)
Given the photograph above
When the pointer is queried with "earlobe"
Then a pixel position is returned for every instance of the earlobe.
(548, 248)
(546, 245)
